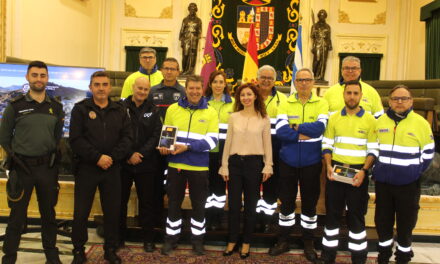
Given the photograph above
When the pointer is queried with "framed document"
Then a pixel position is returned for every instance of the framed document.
(168, 137)
(344, 174)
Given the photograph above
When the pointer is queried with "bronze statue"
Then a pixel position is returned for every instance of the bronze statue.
(322, 44)
(189, 39)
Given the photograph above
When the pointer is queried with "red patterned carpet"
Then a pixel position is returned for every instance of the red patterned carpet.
(135, 254)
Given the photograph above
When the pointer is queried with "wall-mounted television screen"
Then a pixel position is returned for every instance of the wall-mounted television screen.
(68, 83)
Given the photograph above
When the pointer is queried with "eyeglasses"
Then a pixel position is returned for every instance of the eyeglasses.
(266, 78)
(350, 68)
(169, 69)
(147, 57)
(306, 80)
(397, 99)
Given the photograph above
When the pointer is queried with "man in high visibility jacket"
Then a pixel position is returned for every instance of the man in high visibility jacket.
(351, 71)
(266, 206)
(406, 147)
(349, 141)
(301, 122)
(148, 69)
(188, 163)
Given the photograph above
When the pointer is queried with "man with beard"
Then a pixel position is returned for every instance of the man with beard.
(350, 142)
(406, 147)
(100, 137)
(30, 131)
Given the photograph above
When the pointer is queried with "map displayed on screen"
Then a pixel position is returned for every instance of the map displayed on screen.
(68, 83)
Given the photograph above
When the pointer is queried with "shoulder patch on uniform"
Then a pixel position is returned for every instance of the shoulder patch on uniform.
(383, 130)
(202, 120)
(411, 134)
(56, 99)
(17, 98)
(82, 101)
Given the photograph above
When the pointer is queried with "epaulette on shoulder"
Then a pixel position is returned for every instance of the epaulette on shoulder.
(82, 101)
(17, 98)
(56, 99)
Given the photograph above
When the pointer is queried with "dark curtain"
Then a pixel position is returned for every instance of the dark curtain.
(432, 63)
(370, 64)
(132, 57)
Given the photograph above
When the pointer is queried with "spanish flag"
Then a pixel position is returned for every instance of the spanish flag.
(250, 67)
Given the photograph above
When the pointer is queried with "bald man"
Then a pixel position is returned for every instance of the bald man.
(140, 165)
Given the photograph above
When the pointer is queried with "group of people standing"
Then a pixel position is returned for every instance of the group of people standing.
(260, 140)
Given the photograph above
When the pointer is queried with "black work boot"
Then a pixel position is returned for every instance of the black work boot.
(309, 250)
(111, 257)
(327, 257)
(385, 254)
(9, 258)
(79, 257)
(168, 247)
(198, 248)
(403, 257)
(361, 259)
(279, 248)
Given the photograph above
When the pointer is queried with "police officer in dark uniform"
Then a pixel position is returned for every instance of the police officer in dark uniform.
(30, 131)
(163, 95)
(100, 137)
(141, 164)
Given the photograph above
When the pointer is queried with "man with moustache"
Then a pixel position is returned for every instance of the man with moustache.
(101, 138)
(351, 71)
(30, 130)
(148, 69)
(141, 162)
(349, 141)
(164, 94)
(301, 122)
(406, 147)
(266, 77)
(188, 162)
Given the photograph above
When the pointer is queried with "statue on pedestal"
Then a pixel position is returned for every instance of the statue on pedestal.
(189, 39)
(322, 44)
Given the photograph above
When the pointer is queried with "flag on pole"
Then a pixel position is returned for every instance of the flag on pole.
(250, 67)
(208, 60)
(297, 61)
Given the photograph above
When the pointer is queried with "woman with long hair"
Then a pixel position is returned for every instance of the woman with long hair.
(219, 98)
(246, 162)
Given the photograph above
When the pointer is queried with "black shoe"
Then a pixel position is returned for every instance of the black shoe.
(326, 258)
(244, 255)
(9, 259)
(53, 260)
(111, 257)
(198, 248)
(279, 248)
(121, 244)
(79, 257)
(167, 248)
(149, 247)
(309, 251)
(227, 253)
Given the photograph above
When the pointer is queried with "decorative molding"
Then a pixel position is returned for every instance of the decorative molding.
(2, 29)
(145, 38)
(130, 11)
(343, 17)
(357, 43)
(167, 12)
(142, 9)
(381, 18)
